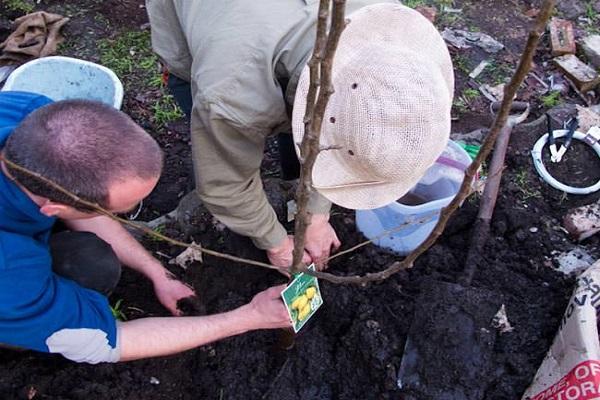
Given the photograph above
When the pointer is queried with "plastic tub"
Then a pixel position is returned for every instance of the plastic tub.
(62, 78)
(414, 216)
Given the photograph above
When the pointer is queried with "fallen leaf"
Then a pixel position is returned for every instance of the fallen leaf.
(188, 256)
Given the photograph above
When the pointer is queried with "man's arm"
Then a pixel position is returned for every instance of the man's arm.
(131, 253)
(152, 337)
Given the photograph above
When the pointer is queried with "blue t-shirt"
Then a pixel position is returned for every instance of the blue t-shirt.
(40, 310)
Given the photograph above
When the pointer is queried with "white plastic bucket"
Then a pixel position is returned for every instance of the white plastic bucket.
(414, 219)
(62, 78)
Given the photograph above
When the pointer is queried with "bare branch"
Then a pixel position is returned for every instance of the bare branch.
(320, 66)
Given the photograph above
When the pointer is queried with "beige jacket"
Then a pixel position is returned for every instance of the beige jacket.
(238, 55)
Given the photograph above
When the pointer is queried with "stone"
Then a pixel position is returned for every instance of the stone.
(562, 38)
(583, 76)
(583, 222)
(574, 262)
(561, 113)
(591, 47)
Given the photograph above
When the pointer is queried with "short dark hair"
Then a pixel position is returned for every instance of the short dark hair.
(83, 146)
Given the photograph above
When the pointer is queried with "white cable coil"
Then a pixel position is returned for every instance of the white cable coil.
(591, 139)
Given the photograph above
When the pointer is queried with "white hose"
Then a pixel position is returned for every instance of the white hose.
(536, 153)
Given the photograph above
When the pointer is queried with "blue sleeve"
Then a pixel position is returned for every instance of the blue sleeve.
(14, 107)
(42, 311)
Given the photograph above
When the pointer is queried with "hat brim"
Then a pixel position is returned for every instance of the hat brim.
(329, 171)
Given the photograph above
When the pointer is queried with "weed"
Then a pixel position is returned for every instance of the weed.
(552, 99)
(460, 105)
(159, 229)
(464, 101)
(414, 3)
(497, 72)
(470, 94)
(593, 26)
(462, 64)
(117, 311)
(129, 54)
(522, 182)
(590, 12)
(22, 6)
(165, 110)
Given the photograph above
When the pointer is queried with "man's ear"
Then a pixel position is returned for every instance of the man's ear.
(51, 209)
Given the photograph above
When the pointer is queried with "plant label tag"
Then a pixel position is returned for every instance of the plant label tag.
(302, 298)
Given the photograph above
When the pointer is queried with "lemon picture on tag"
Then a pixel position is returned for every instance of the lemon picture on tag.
(302, 298)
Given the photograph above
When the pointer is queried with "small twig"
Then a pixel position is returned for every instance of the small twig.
(403, 225)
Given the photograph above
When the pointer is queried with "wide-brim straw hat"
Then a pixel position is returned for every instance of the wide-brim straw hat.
(390, 113)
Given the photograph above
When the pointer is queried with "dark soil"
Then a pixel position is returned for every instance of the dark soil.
(353, 347)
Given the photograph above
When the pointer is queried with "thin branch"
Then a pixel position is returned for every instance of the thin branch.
(320, 66)
(146, 230)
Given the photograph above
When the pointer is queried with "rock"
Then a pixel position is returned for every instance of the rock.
(464, 39)
(583, 222)
(574, 261)
(587, 118)
(582, 75)
(474, 137)
(591, 47)
(562, 38)
(560, 114)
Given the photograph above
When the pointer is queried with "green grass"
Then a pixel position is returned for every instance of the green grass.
(117, 311)
(470, 94)
(166, 110)
(462, 63)
(522, 182)
(130, 54)
(552, 99)
(496, 73)
(22, 6)
(593, 27)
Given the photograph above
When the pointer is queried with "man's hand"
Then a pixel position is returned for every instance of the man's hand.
(320, 240)
(169, 290)
(267, 310)
(281, 256)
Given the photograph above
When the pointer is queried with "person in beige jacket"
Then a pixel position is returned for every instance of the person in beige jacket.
(238, 69)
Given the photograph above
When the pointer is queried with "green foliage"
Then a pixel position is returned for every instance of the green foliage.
(496, 72)
(165, 110)
(22, 6)
(462, 63)
(470, 94)
(593, 26)
(464, 101)
(414, 3)
(117, 311)
(159, 229)
(522, 182)
(129, 54)
(552, 99)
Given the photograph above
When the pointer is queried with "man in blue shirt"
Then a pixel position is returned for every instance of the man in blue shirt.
(52, 289)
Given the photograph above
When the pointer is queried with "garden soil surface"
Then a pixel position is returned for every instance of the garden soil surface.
(353, 347)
